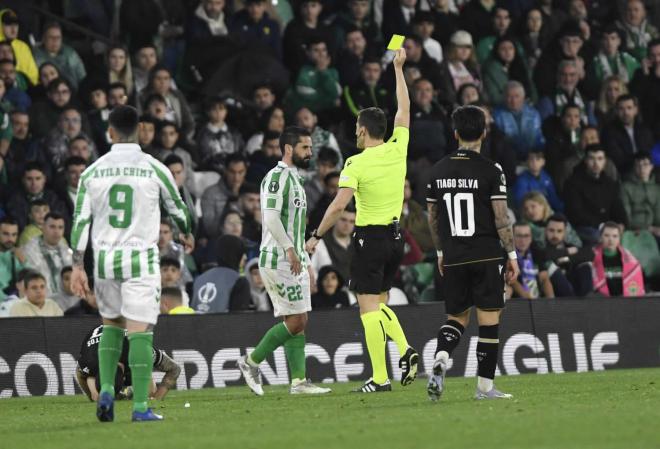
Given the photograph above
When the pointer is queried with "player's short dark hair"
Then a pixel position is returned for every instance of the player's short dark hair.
(330, 176)
(38, 202)
(52, 215)
(65, 270)
(626, 97)
(248, 188)
(74, 160)
(34, 165)
(172, 159)
(31, 276)
(642, 155)
(374, 120)
(469, 122)
(559, 218)
(327, 156)
(168, 261)
(291, 136)
(172, 292)
(124, 120)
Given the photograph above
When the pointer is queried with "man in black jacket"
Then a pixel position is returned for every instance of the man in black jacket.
(626, 134)
(574, 262)
(646, 85)
(592, 197)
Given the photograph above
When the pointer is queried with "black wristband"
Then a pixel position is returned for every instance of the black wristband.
(316, 235)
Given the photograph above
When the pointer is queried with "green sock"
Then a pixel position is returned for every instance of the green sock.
(393, 329)
(274, 338)
(374, 334)
(110, 346)
(294, 348)
(140, 359)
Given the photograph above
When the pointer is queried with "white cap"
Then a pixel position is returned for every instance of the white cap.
(462, 38)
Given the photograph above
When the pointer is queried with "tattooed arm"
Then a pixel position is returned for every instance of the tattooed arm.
(505, 231)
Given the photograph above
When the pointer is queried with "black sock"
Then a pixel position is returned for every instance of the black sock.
(448, 336)
(487, 350)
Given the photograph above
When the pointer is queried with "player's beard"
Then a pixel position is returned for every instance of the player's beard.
(301, 162)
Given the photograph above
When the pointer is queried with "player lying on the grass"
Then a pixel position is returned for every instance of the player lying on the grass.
(468, 217)
(284, 265)
(87, 370)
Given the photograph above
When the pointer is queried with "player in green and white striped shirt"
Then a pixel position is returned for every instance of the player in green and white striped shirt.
(121, 193)
(284, 264)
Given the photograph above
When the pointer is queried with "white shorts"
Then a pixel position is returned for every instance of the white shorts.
(289, 294)
(136, 299)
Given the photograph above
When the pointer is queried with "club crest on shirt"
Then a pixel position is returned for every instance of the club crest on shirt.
(273, 187)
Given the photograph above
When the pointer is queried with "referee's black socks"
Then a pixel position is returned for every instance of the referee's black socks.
(448, 338)
(487, 349)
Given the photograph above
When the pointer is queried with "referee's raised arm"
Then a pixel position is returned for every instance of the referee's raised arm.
(402, 117)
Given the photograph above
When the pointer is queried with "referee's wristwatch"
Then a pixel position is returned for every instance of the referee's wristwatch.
(316, 235)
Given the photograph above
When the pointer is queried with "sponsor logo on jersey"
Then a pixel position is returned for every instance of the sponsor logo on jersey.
(299, 202)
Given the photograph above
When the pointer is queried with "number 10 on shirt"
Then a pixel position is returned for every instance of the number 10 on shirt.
(455, 213)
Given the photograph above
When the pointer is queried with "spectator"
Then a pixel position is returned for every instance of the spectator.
(610, 60)
(119, 69)
(45, 114)
(12, 259)
(147, 134)
(367, 92)
(260, 298)
(53, 49)
(534, 37)
(216, 197)
(168, 136)
(334, 247)
(74, 166)
(414, 220)
(5, 122)
(534, 279)
(327, 161)
(171, 302)
(330, 293)
(505, 64)
(208, 21)
(626, 135)
(611, 89)
(272, 119)
(459, 67)
(330, 188)
(222, 289)
(15, 85)
(501, 26)
(306, 27)
(65, 298)
(263, 99)
(175, 164)
(476, 17)
(24, 58)
(446, 21)
(352, 55)
(429, 130)
(160, 82)
(424, 26)
(34, 183)
(80, 147)
(168, 248)
(144, 22)
(595, 198)
(85, 306)
(641, 196)
(117, 95)
(536, 179)
(232, 223)
(35, 303)
(494, 147)
(261, 162)
(321, 138)
(98, 117)
(146, 58)
(317, 84)
(357, 17)
(468, 94)
(519, 121)
(47, 73)
(171, 277)
(217, 139)
(566, 92)
(536, 212)
(56, 143)
(37, 218)
(249, 207)
(397, 17)
(23, 147)
(646, 86)
(574, 262)
(255, 29)
(416, 57)
(49, 253)
(616, 272)
(638, 31)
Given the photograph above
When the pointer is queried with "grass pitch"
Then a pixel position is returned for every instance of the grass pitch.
(612, 409)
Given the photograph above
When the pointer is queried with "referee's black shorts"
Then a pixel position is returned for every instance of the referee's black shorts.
(376, 254)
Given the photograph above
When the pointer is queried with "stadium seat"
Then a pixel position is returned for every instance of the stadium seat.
(428, 295)
(643, 246)
(397, 297)
(202, 180)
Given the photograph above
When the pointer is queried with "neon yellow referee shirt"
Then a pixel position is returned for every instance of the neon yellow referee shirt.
(378, 175)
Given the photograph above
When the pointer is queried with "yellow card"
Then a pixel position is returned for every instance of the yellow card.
(396, 42)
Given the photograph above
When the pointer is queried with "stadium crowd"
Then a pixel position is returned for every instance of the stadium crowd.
(571, 87)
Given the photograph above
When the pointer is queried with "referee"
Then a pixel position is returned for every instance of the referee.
(376, 177)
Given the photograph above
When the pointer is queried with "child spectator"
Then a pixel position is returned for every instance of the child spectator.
(616, 272)
(39, 208)
(168, 136)
(610, 60)
(146, 134)
(260, 298)
(330, 294)
(217, 139)
(65, 297)
(170, 277)
(535, 178)
(35, 303)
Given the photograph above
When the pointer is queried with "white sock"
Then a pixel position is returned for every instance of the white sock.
(442, 355)
(251, 362)
(484, 385)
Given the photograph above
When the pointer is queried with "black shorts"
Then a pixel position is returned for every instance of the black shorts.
(479, 284)
(375, 258)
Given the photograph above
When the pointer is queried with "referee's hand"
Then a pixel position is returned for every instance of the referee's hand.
(294, 261)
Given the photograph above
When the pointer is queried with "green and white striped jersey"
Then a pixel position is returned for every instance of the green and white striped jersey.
(282, 190)
(119, 195)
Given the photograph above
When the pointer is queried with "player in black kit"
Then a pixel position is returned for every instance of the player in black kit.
(87, 371)
(470, 226)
